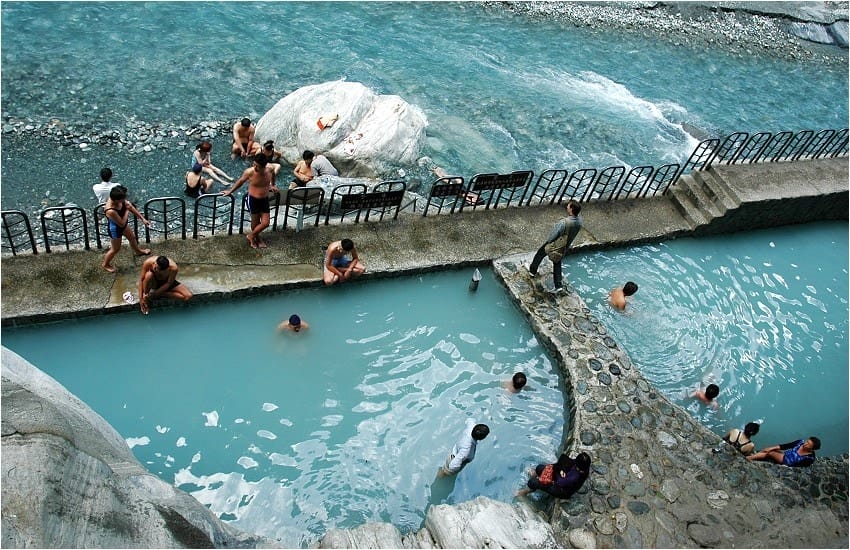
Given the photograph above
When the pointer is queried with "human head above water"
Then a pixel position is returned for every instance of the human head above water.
(815, 443)
(197, 167)
(308, 155)
(205, 146)
(480, 431)
(347, 245)
(261, 160)
(629, 288)
(294, 320)
(269, 145)
(106, 173)
(751, 429)
(246, 122)
(574, 208)
(712, 391)
(519, 380)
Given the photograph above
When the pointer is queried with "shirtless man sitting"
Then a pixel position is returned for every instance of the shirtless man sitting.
(617, 297)
(342, 262)
(261, 181)
(159, 278)
(243, 139)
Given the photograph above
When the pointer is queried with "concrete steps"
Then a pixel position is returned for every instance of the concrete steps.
(702, 196)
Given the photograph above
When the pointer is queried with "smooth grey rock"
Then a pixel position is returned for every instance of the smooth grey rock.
(582, 538)
(369, 535)
(373, 133)
(70, 480)
(670, 490)
(486, 523)
(667, 440)
(704, 536)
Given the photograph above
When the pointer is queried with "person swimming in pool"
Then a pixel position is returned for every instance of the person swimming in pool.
(342, 262)
(516, 383)
(617, 297)
(707, 396)
(294, 324)
(796, 453)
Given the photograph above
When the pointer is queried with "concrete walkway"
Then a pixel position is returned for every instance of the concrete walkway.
(655, 481)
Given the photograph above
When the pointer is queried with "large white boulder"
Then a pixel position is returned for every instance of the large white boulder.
(372, 135)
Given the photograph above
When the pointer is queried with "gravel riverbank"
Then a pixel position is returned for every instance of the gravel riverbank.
(743, 28)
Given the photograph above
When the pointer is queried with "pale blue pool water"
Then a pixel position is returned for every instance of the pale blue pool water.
(501, 91)
(763, 314)
(289, 435)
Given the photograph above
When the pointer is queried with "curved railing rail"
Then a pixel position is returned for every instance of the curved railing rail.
(68, 226)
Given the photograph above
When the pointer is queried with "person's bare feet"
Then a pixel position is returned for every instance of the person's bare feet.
(143, 305)
(109, 268)
(143, 252)
(261, 243)
(252, 242)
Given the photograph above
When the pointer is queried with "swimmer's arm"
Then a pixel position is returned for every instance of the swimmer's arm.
(143, 283)
(138, 214)
(245, 175)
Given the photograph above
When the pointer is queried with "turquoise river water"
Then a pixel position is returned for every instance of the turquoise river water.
(501, 91)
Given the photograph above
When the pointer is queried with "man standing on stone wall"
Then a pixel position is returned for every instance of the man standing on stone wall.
(556, 245)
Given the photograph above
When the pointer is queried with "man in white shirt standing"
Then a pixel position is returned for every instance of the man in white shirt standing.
(464, 450)
(102, 189)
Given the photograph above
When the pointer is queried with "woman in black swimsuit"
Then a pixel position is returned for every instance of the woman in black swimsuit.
(741, 439)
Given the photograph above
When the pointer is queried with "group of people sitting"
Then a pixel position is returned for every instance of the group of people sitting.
(310, 166)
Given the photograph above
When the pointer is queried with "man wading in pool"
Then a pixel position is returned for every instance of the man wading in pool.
(261, 181)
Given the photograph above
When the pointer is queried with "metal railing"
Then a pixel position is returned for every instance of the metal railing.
(68, 226)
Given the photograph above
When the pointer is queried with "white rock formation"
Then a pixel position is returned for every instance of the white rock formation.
(372, 134)
(486, 523)
(70, 480)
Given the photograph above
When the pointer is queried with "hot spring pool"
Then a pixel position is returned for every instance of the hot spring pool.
(287, 435)
(763, 314)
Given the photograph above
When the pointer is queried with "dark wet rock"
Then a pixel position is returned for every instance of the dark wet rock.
(600, 486)
(594, 364)
(623, 406)
(589, 406)
(614, 369)
(587, 438)
(703, 535)
(581, 387)
(604, 378)
(613, 501)
(637, 507)
(584, 324)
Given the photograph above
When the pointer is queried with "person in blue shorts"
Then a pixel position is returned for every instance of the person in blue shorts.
(117, 211)
(796, 453)
(342, 262)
